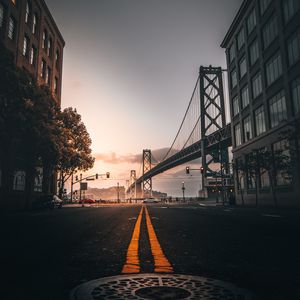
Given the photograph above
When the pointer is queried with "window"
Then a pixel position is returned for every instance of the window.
(1, 15)
(254, 52)
(294, 48)
(34, 23)
(290, 7)
(240, 174)
(19, 181)
(296, 95)
(27, 12)
(25, 46)
(237, 135)
(243, 67)
(270, 31)
(251, 21)
(49, 47)
(235, 105)
(45, 38)
(282, 162)
(32, 58)
(251, 182)
(57, 59)
(260, 124)
(245, 97)
(11, 28)
(263, 5)
(256, 85)
(48, 76)
(264, 178)
(247, 129)
(43, 69)
(231, 53)
(241, 39)
(233, 79)
(273, 69)
(278, 112)
(55, 87)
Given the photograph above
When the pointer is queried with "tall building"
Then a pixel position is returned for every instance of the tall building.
(263, 61)
(28, 29)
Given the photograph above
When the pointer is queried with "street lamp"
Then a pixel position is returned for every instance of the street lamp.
(183, 189)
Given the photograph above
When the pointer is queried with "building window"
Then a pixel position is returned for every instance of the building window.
(273, 69)
(33, 52)
(57, 59)
(48, 76)
(260, 124)
(1, 14)
(27, 12)
(290, 7)
(55, 87)
(247, 129)
(34, 23)
(243, 67)
(251, 182)
(235, 105)
(245, 97)
(45, 38)
(277, 106)
(263, 5)
(241, 38)
(43, 69)
(254, 52)
(264, 178)
(233, 79)
(49, 47)
(294, 48)
(296, 95)
(19, 181)
(25, 46)
(231, 53)
(237, 135)
(11, 28)
(256, 85)
(270, 31)
(251, 21)
(282, 162)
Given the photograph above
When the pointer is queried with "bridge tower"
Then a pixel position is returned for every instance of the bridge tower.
(212, 109)
(132, 184)
(147, 184)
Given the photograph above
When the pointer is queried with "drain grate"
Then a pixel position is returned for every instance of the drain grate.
(158, 287)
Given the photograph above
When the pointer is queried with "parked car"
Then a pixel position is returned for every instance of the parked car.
(57, 202)
(43, 202)
(90, 201)
(151, 200)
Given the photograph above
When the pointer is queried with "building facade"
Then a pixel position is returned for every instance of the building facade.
(29, 31)
(263, 62)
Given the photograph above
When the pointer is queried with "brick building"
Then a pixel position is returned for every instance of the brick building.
(29, 31)
(263, 59)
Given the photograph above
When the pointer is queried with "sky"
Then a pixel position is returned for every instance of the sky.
(129, 69)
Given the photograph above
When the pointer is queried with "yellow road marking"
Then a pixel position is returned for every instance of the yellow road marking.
(132, 264)
(161, 263)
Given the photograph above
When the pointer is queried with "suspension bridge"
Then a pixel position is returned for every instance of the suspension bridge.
(203, 133)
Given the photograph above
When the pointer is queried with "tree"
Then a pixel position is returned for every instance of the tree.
(76, 146)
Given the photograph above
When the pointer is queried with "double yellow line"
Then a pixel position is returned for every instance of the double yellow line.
(132, 264)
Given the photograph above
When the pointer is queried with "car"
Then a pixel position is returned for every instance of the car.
(57, 202)
(89, 201)
(151, 200)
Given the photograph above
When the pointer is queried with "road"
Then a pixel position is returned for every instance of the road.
(46, 254)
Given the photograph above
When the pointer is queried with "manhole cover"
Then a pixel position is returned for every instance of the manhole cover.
(158, 287)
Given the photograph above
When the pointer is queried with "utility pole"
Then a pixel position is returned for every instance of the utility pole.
(183, 189)
(118, 192)
(72, 188)
(80, 191)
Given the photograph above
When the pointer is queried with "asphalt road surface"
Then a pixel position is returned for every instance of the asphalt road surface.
(45, 254)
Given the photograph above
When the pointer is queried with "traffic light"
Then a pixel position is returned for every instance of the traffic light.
(97, 176)
(107, 174)
(187, 170)
(202, 170)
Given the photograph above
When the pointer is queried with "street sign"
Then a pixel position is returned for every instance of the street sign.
(83, 186)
